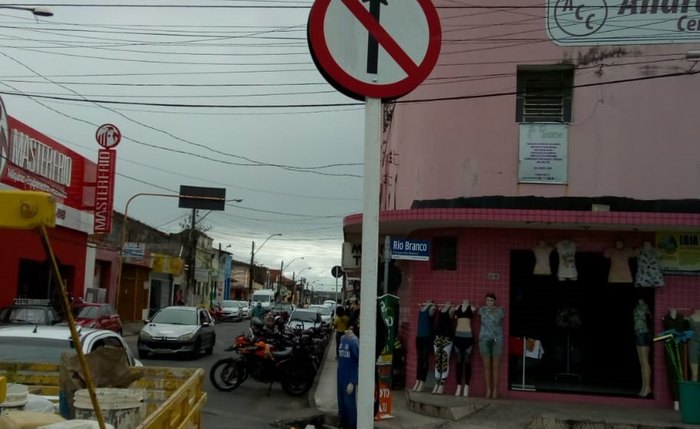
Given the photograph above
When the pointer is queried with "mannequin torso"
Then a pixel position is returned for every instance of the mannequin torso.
(464, 314)
(619, 263)
(542, 251)
(425, 317)
(443, 327)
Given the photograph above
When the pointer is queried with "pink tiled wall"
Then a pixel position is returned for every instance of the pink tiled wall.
(484, 251)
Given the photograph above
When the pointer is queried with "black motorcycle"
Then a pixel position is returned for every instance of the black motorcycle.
(265, 362)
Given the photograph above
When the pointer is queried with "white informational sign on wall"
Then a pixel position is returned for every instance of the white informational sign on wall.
(543, 153)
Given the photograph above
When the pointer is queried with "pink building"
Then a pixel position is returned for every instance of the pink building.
(514, 140)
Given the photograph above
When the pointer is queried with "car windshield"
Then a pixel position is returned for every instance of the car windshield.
(304, 316)
(23, 349)
(230, 304)
(86, 312)
(176, 316)
(27, 315)
(325, 311)
(261, 298)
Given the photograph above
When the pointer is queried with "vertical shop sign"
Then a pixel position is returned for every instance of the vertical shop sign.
(543, 153)
(108, 136)
(104, 191)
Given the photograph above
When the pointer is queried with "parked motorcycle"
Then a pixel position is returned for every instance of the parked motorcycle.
(265, 362)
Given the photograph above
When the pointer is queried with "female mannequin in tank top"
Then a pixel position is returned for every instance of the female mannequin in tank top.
(643, 339)
(424, 342)
(463, 344)
(444, 332)
(491, 343)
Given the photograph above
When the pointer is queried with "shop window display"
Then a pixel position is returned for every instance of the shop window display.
(584, 324)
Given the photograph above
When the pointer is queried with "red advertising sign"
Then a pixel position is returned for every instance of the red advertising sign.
(29, 160)
(108, 136)
(104, 190)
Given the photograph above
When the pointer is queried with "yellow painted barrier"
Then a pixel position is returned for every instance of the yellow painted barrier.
(27, 209)
(3, 389)
(174, 397)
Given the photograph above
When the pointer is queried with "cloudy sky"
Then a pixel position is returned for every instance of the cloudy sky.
(219, 93)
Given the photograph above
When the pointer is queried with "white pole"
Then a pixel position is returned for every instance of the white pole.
(370, 251)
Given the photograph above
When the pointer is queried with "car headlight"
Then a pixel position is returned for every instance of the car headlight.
(145, 335)
(186, 337)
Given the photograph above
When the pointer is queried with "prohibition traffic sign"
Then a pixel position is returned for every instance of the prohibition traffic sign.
(383, 51)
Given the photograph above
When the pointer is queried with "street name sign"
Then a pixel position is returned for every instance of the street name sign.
(374, 48)
(410, 250)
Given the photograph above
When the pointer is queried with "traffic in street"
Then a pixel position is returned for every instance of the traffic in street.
(249, 405)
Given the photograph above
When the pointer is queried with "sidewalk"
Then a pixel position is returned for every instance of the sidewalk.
(428, 411)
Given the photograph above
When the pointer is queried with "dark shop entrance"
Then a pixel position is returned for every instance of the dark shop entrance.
(584, 329)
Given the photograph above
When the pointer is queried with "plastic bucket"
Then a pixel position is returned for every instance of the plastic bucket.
(690, 401)
(16, 397)
(122, 408)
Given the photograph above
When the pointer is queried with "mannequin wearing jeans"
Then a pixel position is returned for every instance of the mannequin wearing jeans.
(491, 343)
(463, 344)
(642, 334)
(424, 342)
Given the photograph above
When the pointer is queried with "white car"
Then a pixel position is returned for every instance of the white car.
(330, 303)
(325, 312)
(46, 344)
(245, 309)
(304, 319)
(231, 310)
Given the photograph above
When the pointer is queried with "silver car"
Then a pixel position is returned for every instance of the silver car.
(178, 330)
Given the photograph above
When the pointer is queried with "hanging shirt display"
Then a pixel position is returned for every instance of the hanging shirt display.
(619, 264)
(567, 260)
(648, 267)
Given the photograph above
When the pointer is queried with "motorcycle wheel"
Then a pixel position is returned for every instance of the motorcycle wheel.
(227, 374)
(298, 378)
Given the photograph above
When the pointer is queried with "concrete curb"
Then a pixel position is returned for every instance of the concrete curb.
(312, 393)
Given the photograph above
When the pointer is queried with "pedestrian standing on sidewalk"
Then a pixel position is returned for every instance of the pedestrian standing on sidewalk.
(348, 374)
(341, 322)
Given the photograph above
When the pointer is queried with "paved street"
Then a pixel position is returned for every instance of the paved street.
(249, 405)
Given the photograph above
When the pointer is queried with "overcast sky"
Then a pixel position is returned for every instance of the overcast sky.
(298, 169)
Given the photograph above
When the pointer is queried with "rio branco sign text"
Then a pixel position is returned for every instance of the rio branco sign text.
(618, 22)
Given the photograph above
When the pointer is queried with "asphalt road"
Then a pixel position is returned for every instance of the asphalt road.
(248, 406)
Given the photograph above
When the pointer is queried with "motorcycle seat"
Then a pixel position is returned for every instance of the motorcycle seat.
(282, 353)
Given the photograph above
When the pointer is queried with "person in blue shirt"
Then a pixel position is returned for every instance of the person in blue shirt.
(348, 374)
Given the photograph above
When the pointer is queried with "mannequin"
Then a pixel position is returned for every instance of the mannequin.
(642, 335)
(444, 332)
(567, 260)
(424, 340)
(694, 344)
(542, 251)
(463, 343)
(648, 267)
(491, 343)
(619, 263)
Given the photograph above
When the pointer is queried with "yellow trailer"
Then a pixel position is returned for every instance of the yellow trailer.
(174, 396)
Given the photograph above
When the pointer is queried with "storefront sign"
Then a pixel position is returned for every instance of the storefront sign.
(166, 264)
(134, 250)
(680, 251)
(410, 250)
(543, 153)
(104, 190)
(622, 22)
(32, 161)
(352, 256)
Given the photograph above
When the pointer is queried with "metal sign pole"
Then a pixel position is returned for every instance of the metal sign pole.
(370, 251)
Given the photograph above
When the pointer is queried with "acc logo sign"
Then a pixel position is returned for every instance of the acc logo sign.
(4, 139)
(580, 17)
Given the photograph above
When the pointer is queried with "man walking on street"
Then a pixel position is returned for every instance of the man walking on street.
(348, 374)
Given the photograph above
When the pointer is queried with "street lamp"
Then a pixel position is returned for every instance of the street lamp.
(294, 283)
(250, 268)
(37, 11)
(282, 268)
(122, 235)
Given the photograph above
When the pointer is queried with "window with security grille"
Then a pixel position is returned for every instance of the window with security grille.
(544, 95)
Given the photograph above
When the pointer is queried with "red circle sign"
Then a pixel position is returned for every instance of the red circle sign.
(334, 52)
(108, 136)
